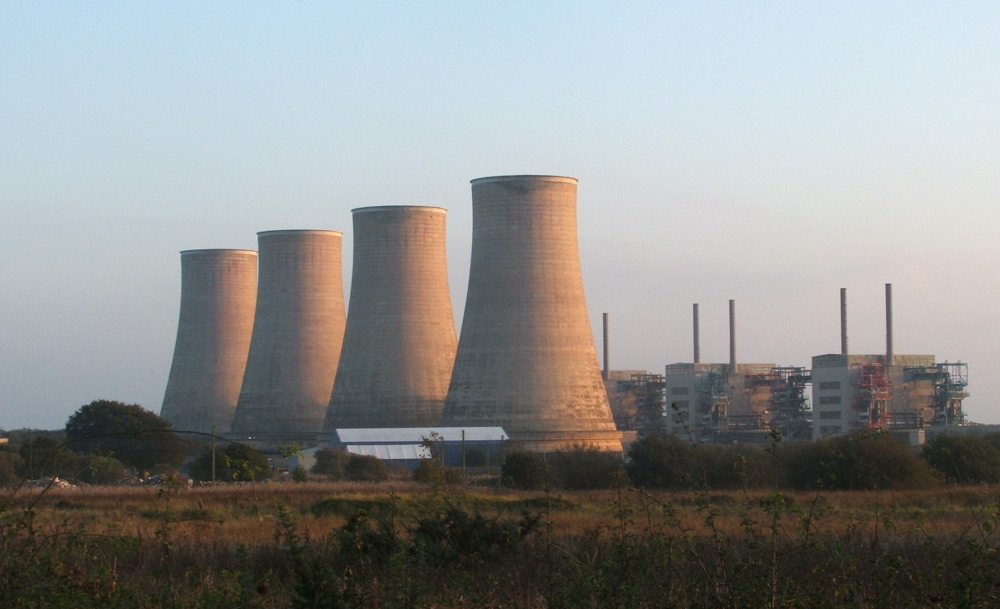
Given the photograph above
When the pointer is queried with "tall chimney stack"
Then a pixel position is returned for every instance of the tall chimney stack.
(843, 321)
(607, 368)
(732, 336)
(697, 342)
(888, 325)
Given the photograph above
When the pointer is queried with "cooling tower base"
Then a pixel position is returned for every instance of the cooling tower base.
(555, 441)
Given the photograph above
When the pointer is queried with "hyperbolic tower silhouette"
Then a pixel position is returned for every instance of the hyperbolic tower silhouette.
(526, 358)
(218, 290)
(297, 336)
(399, 346)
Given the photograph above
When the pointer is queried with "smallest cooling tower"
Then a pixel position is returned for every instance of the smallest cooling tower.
(399, 346)
(526, 359)
(218, 290)
(297, 335)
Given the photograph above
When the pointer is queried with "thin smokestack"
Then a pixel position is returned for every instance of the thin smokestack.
(889, 359)
(843, 321)
(607, 367)
(697, 341)
(732, 336)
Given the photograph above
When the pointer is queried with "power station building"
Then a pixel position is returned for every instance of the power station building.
(526, 359)
(297, 335)
(218, 292)
(734, 402)
(889, 392)
(399, 345)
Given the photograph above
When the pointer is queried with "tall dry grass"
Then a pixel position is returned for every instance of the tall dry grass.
(400, 544)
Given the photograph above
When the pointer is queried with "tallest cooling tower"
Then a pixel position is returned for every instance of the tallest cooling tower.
(297, 336)
(526, 358)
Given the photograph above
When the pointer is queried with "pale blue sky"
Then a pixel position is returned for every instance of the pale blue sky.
(767, 152)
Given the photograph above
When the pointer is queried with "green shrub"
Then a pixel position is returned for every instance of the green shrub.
(964, 459)
(236, 462)
(363, 468)
(733, 466)
(862, 461)
(586, 468)
(661, 461)
(525, 470)
(330, 462)
(102, 470)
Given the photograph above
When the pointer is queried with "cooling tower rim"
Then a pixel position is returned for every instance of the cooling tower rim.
(218, 250)
(299, 231)
(525, 178)
(383, 208)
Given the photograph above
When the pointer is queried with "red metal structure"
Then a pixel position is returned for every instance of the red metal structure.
(874, 391)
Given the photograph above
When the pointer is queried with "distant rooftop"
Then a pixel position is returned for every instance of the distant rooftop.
(416, 435)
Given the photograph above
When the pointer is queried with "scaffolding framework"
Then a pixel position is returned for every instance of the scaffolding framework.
(949, 391)
(788, 406)
(649, 393)
(714, 398)
(874, 391)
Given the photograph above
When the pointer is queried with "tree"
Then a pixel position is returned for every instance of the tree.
(45, 457)
(236, 462)
(10, 464)
(128, 432)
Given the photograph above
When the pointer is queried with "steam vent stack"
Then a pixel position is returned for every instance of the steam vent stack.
(297, 335)
(526, 359)
(399, 346)
(218, 289)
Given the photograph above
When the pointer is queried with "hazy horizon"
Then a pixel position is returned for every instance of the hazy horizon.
(770, 154)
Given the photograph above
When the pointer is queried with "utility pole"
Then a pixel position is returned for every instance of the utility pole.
(213, 454)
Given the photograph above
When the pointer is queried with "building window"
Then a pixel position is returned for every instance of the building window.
(827, 385)
(828, 430)
(829, 399)
(830, 414)
(680, 390)
(681, 404)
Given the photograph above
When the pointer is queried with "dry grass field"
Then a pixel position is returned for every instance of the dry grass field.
(399, 544)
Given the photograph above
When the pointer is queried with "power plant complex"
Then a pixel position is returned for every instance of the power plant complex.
(266, 351)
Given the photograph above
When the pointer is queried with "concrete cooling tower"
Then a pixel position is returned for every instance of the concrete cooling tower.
(218, 290)
(399, 346)
(526, 357)
(297, 335)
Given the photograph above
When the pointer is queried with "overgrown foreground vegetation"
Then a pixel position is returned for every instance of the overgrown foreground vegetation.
(397, 544)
